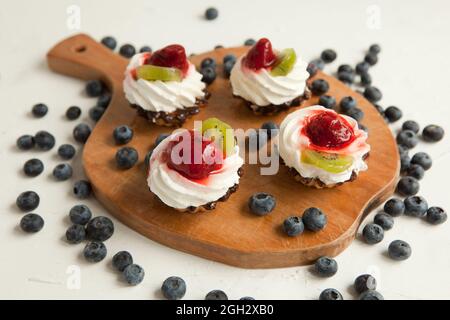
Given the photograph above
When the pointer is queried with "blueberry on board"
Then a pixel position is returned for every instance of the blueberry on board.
(379, 108)
(145, 49)
(373, 233)
(327, 101)
(80, 214)
(415, 171)
(73, 112)
(363, 128)
(247, 298)
(312, 69)
(399, 250)
(405, 162)
(261, 203)
(319, 87)
(314, 219)
(216, 295)
(121, 260)
(82, 189)
(95, 113)
(384, 220)
(147, 159)
(432, 133)
(94, 88)
(44, 140)
(328, 55)
(346, 77)
(173, 288)
(99, 229)
(330, 294)
(75, 233)
(229, 57)
(271, 128)
(345, 68)
(227, 67)
(408, 186)
(81, 132)
(366, 79)
(319, 63)
(249, 42)
(39, 110)
(347, 103)
(31, 223)
(371, 58)
(94, 251)
(362, 67)
(27, 201)
(365, 282)
(375, 48)
(208, 62)
(104, 100)
(33, 167)
(422, 159)
(373, 94)
(218, 46)
(394, 207)
(122, 134)
(109, 42)
(436, 215)
(293, 226)
(62, 171)
(370, 295)
(133, 274)
(66, 151)
(25, 142)
(407, 138)
(415, 206)
(355, 113)
(208, 75)
(126, 157)
(127, 50)
(411, 125)
(393, 113)
(326, 267)
(160, 138)
(211, 13)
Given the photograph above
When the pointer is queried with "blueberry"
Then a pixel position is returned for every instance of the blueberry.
(347, 103)
(330, 294)
(384, 220)
(258, 138)
(373, 94)
(318, 63)
(371, 58)
(375, 48)
(326, 267)
(173, 288)
(271, 128)
(122, 134)
(27, 201)
(80, 214)
(346, 77)
(160, 138)
(373, 233)
(328, 55)
(208, 62)
(73, 113)
(147, 159)
(432, 133)
(363, 128)
(394, 207)
(407, 138)
(422, 159)
(208, 75)
(82, 189)
(121, 260)
(366, 79)
(39, 110)
(355, 113)
(216, 295)
(218, 46)
(109, 42)
(312, 69)
(371, 295)
(393, 113)
(31, 223)
(95, 113)
(415, 206)
(399, 250)
(345, 68)
(249, 42)
(314, 219)
(104, 100)
(415, 171)
(62, 172)
(75, 234)
(33, 167)
(405, 162)
(127, 50)
(365, 282)
(66, 151)
(379, 108)
(227, 67)
(126, 157)
(436, 215)
(229, 57)
(327, 101)
(362, 67)
(99, 229)
(411, 125)
(95, 251)
(211, 13)
(293, 226)
(408, 186)
(94, 88)
(261, 203)
(25, 142)
(145, 49)
(133, 274)
(402, 149)
(81, 132)
(319, 87)
(44, 140)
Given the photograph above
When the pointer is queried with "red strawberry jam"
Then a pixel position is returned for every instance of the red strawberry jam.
(172, 56)
(194, 166)
(260, 55)
(329, 130)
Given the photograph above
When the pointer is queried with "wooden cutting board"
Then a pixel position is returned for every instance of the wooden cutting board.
(230, 233)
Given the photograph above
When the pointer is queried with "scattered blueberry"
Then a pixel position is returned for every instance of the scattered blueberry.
(227, 67)
(94, 88)
(208, 62)
(75, 234)
(327, 101)
(147, 159)
(80, 214)
(39, 110)
(384, 220)
(394, 207)
(366, 79)
(407, 138)
(249, 42)
(25, 142)
(145, 49)
(405, 162)
(211, 13)
(355, 113)
(375, 48)
(127, 50)
(104, 100)
(347, 103)
(66, 151)
(408, 186)
(365, 282)
(216, 295)
(218, 46)
(380, 109)
(160, 138)
(31, 223)
(402, 149)
(415, 171)
(330, 294)
(319, 87)
(27, 201)
(399, 250)
(362, 67)
(133, 274)
(229, 57)
(81, 132)
(326, 267)
(371, 295)
(261, 203)
(345, 68)
(328, 55)
(109, 42)
(393, 113)
(33, 167)
(432, 133)
(62, 172)
(95, 113)
(373, 233)
(99, 229)
(95, 251)
(247, 298)
(415, 206)
(44, 140)
(436, 215)
(121, 260)
(293, 226)
(73, 113)
(173, 288)
(208, 75)
(371, 58)
(422, 159)
(82, 189)
(372, 94)
(126, 157)
(271, 129)
(318, 63)
(312, 69)
(411, 125)
(122, 134)
(314, 219)
(346, 77)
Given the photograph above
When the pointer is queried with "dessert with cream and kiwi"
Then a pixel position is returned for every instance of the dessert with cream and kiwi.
(164, 86)
(270, 81)
(191, 170)
(321, 147)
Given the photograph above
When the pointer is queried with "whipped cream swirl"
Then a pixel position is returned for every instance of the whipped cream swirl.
(166, 96)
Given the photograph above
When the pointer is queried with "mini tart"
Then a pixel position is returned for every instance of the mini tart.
(297, 143)
(185, 194)
(265, 93)
(165, 103)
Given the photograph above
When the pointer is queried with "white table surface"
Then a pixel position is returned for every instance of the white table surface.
(412, 73)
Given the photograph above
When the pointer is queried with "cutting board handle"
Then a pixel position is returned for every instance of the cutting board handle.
(83, 57)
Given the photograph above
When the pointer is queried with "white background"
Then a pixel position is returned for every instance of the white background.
(412, 73)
